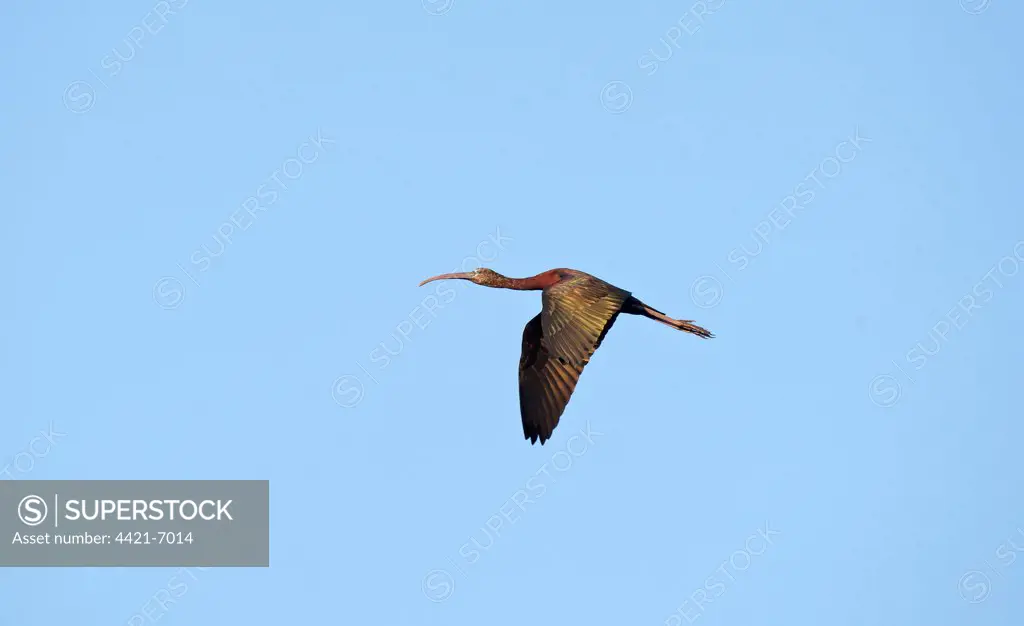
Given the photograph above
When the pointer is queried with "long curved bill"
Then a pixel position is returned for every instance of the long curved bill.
(462, 275)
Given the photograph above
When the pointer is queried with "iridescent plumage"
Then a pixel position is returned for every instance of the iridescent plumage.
(577, 312)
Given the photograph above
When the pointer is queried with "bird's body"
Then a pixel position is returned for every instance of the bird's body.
(577, 312)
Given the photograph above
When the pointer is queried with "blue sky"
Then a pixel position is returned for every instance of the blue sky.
(218, 213)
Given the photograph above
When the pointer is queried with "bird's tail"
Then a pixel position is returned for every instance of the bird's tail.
(639, 308)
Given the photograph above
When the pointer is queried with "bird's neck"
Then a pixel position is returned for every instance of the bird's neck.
(532, 283)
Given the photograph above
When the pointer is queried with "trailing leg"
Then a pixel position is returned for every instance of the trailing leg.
(635, 307)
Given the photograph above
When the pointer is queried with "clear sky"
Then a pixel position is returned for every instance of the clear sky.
(217, 214)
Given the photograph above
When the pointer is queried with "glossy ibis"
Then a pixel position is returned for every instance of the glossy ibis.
(576, 313)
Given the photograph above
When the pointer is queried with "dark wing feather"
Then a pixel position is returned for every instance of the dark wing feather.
(557, 344)
(545, 384)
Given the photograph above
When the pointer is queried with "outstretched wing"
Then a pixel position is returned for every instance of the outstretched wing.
(557, 345)
(576, 315)
(545, 384)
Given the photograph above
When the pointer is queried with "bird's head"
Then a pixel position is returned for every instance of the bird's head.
(480, 276)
